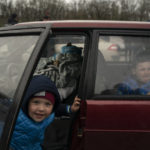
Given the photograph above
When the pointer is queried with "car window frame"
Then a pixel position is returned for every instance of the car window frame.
(43, 31)
(88, 41)
(81, 91)
(92, 61)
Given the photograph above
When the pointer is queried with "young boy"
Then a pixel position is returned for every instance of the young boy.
(139, 81)
(37, 112)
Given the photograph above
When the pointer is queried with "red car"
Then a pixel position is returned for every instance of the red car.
(100, 58)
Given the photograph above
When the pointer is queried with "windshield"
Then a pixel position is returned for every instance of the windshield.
(14, 54)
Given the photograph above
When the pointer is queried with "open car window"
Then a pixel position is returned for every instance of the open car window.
(115, 65)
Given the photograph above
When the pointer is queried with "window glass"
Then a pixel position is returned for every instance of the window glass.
(62, 61)
(14, 54)
(123, 65)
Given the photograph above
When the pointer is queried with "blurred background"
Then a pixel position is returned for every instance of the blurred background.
(38, 10)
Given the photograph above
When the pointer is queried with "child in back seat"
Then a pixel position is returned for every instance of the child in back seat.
(64, 69)
(69, 70)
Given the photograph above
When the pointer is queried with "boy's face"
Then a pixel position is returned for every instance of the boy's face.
(142, 71)
(39, 108)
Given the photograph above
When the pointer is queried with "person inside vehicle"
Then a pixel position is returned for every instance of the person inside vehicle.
(138, 83)
(37, 112)
(69, 70)
(63, 69)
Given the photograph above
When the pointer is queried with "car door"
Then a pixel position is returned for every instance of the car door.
(62, 61)
(19, 51)
(109, 119)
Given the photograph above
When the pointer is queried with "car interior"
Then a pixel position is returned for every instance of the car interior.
(61, 61)
(115, 58)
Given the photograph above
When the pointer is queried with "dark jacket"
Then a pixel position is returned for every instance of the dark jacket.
(12, 20)
(28, 134)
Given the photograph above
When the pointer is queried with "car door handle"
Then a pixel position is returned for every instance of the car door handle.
(80, 133)
(80, 130)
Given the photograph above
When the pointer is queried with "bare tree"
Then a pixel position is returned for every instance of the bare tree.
(144, 10)
(33, 10)
(99, 9)
(114, 11)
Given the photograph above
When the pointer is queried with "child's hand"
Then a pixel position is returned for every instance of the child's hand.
(76, 104)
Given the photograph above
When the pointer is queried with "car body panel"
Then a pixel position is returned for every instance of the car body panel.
(131, 116)
(93, 24)
(114, 124)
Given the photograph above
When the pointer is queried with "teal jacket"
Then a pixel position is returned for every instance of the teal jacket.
(28, 134)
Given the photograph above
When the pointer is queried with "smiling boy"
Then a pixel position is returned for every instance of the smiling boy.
(40, 107)
(37, 112)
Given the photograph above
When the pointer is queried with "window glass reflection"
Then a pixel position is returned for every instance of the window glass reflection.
(116, 57)
(15, 52)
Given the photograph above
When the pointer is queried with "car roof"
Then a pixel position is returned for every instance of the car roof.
(91, 24)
